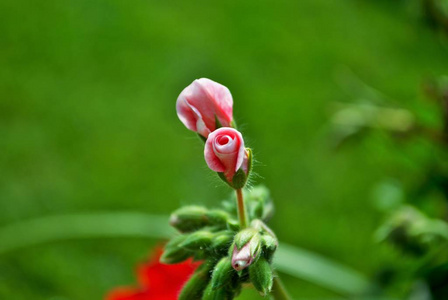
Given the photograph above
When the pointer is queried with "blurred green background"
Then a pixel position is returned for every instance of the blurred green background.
(88, 123)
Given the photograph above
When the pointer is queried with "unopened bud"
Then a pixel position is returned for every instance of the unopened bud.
(217, 217)
(173, 252)
(225, 153)
(244, 256)
(222, 273)
(217, 294)
(196, 285)
(222, 241)
(189, 218)
(261, 276)
(197, 240)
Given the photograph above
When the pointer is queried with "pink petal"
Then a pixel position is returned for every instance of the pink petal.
(224, 151)
(211, 159)
(184, 112)
(222, 98)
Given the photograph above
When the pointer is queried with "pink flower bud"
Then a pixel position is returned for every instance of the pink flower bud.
(225, 153)
(242, 258)
(202, 103)
(246, 249)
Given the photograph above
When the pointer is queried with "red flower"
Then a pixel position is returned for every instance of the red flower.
(157, 281)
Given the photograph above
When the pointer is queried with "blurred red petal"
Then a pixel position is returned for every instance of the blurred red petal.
(126, 294)
(158, 281)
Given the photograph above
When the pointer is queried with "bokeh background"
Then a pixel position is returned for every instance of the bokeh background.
(88, 124)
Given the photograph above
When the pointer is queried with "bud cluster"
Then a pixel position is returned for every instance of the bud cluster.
(233, 243)
(231, 257)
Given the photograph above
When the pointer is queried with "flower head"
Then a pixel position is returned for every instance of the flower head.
(204, 103)
(225, 153)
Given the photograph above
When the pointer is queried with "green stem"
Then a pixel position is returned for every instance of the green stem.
(241, 208)
(278, 290)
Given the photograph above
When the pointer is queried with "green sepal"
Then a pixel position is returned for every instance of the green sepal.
(231, 249)
(255, 246)
(223, 177)
(249, 160)
(269, 245)
(239, 179)
(244, 236)
(222, 273)
(261, 276)
(269, 242)
(173, 253)
(197, 240)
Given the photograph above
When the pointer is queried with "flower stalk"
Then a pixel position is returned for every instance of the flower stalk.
(242, 216)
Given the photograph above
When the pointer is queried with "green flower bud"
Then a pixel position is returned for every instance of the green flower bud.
(196, 285)
(218, 294)
(189, 218)
(173, 252)
(217, 217)
(197, 240)
(222, 273)
(222, 241)
(261, 276)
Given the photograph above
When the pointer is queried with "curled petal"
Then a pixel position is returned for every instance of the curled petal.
(241, 258)
(224, 151)
(203, 102)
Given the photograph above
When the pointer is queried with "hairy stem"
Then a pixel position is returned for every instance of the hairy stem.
(241, 208)
(278, 290)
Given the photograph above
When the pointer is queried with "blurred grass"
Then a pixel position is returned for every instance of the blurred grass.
(87, 122)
